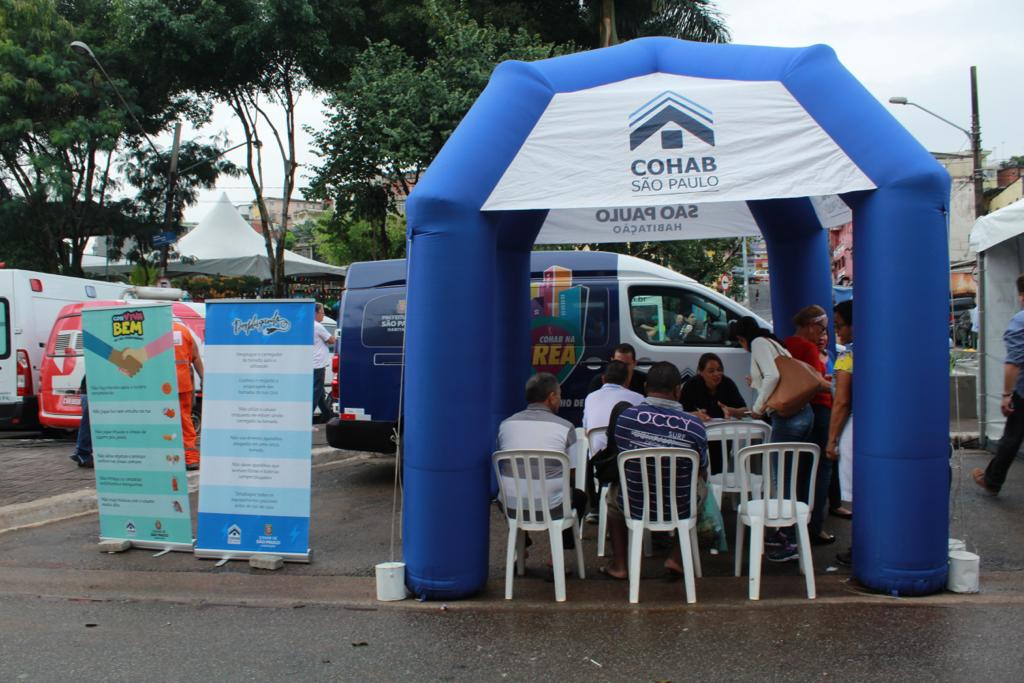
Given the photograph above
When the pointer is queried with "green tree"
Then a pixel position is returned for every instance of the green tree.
(703, 260)
(341, 240)
(256, 56)
(63, 127)
(618, 20)
(199, 167)
(397, 111)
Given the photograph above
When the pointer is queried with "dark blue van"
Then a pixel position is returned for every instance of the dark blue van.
(584, 304)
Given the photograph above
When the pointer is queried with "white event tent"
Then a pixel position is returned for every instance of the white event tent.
(999, 240)
(224, 244)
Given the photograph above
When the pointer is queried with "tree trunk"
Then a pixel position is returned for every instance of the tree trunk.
(609, 36)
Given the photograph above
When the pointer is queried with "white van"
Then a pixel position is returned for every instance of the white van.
(583, 304)
(29, 305)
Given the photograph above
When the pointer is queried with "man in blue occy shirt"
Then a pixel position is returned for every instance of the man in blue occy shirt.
(657, 422)
(991, 478)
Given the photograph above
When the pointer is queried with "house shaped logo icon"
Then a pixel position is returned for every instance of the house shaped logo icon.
(129, 527)
(234, 535)
(670, 114)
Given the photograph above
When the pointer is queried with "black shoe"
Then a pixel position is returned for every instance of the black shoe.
(788, 553)
(823, 538)
(776, 539)
(845, 559)
(81, 461)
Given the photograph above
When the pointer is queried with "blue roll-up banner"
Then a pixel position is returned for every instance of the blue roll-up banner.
(256, 450)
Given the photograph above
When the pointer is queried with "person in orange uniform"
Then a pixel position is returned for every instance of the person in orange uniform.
(186, 356)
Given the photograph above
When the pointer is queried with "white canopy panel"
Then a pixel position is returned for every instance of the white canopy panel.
(664, 139)
(999, 238)
(669, 222)
(224, 244)
(997, 227)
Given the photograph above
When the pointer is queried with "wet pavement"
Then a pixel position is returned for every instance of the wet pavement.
(353, 529)
(126, 641)
(177, 618)
(35, 466)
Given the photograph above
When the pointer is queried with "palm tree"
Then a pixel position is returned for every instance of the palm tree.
(620, 20)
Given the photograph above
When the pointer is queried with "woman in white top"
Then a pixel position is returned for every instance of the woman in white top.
(764, 376)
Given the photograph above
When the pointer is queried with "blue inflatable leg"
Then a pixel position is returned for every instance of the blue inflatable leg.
(901, 388)
(449, 433)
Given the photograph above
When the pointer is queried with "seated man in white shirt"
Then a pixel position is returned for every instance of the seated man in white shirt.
(598, 404)
(539, 428)
(597, 407)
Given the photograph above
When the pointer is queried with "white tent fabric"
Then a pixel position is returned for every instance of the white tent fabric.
(997, 227)
(224, 244)
(614, 145)
(670, 222)
(999, 240)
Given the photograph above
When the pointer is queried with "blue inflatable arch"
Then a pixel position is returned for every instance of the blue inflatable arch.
(778, 125)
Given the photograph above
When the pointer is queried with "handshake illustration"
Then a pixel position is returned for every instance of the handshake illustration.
(129, 360)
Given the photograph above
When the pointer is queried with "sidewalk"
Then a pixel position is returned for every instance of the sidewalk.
(34, 468)
(40, 482)
(352, 527)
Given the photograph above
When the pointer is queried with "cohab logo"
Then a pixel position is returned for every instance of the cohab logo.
(670, 107)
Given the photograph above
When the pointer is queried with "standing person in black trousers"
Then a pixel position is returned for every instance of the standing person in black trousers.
(992, 478)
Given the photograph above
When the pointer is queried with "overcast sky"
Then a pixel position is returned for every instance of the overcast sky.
(920, 49)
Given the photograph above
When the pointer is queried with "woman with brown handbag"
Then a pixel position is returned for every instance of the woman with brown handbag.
(810, 322)
(764, 377)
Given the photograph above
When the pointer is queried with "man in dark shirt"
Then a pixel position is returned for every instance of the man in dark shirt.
(636, 380)
(657, 422)
(992, 478)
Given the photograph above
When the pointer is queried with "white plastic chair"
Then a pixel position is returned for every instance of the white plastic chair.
(774, 505)
(602, 506)
(602, 495)
(579, 454)
(659, 505)
(525, 488)
(732, 436)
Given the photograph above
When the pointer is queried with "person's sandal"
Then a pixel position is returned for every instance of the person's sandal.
(824, 538)
(978, 475)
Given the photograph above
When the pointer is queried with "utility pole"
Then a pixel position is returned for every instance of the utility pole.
(979, 211)
(746, 275)
(172, 181)
(979, 188)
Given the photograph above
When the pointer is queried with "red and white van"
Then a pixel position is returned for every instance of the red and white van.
(60, 404)
(29, 304)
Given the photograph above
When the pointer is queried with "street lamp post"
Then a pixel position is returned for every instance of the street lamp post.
(974, 135)
(172, 173)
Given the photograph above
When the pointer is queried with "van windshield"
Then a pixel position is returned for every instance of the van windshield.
(5, 329)
(678, 317)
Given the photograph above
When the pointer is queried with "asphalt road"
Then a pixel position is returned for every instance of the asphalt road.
(48, 640)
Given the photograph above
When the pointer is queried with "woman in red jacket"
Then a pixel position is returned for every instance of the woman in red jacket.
(811, 321)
